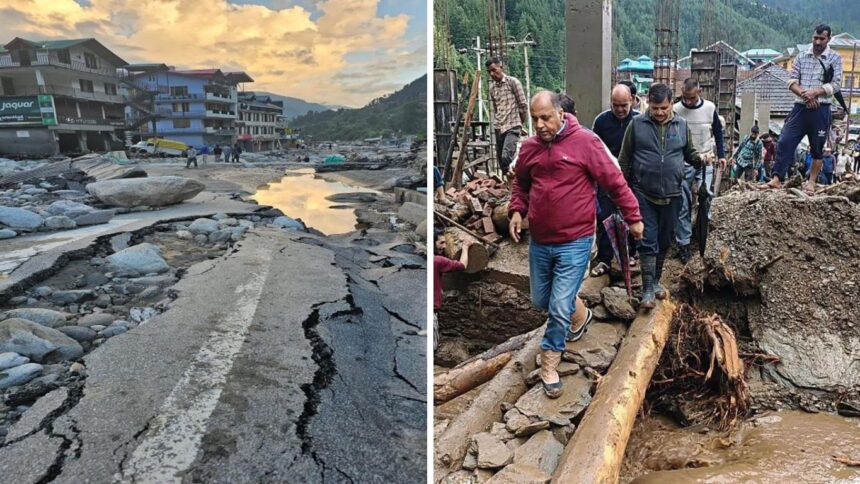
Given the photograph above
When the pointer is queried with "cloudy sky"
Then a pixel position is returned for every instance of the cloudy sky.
(342, 52)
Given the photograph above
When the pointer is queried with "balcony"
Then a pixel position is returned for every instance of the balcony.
(220, 131)
(69, 92)
(51, 59)
(220, 98)
(184, 114)
(211, 113)
(169, 98)
(113, 122)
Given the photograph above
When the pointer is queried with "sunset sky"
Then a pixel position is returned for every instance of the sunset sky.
(341, 52)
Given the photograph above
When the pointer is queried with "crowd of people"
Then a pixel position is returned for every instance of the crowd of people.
(648, 166)
(227, 153)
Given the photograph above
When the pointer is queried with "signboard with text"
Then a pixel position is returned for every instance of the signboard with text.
(28, 110)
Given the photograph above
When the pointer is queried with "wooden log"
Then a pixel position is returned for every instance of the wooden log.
(506, 387)
(500, 218)
(478, 255)
(475, 363)
(596, 451)
(460, 380)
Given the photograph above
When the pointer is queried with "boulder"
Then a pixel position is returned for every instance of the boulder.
(414, 213)
(71, 296)
(591, 288)
(19, 218)
(78, 333)
(520, 474)
(45, 317)
(615, 300)
(492, 452)
(94, 218)
(9, 359)
(153, 191)
(203, 226)
(137, 260)
(7, 233)
(219, 236)
(60, 222)
(542, 451)
(68, 208)
(94, 319)
(19, 375)
(288, 223)
(597, 348)
(39, 343)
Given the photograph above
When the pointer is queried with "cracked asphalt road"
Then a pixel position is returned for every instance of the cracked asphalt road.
(293, 358)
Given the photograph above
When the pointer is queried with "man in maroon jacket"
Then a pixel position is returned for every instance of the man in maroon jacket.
(557, 175)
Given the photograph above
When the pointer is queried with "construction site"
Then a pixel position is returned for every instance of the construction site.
(747, 372)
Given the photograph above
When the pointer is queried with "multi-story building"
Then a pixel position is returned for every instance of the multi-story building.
(59, 96)
(260, 122)
(197, 107)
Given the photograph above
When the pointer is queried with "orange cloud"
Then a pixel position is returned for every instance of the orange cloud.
(284, 50)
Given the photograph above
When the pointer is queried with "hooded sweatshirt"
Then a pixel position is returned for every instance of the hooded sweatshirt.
(555, 184)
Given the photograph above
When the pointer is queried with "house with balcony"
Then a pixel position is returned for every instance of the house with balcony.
(260, 123)
(59, 96)
(198, 107)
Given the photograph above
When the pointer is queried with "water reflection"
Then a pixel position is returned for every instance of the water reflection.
(299, 195)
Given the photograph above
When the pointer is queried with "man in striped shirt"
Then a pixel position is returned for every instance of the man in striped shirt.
(510, 111)
(811, 114)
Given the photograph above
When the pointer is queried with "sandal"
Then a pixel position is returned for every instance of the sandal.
(578, 334)
(600, 269)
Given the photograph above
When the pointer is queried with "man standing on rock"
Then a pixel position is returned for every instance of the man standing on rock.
(556, 175)
(707, 131)
(510, 111)
(656, 145)
(811, 114)
(610, 126)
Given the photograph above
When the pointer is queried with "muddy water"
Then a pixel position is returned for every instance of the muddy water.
(300, 195)
(781, 447)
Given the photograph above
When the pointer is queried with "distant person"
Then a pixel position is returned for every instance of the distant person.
(438, 186)
(857, 161)
(769, 156)
(217, 152)
(610, 126)
(707, 131)
(227, 152)
(510, 109)
(191, 157)
(204, 154)
(748, 155)
(811, 114)
(237, 150)
(633, 92)
(843, 164)
(828, 167)
(568, 105)
(442, 265)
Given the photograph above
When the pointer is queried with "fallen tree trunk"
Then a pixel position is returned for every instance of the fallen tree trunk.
(596, 450)
(476, 370)
(500, 218)
(506, 387)
(478, 255)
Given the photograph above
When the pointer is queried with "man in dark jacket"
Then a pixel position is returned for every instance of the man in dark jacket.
(610, 126)
(655, 147)
(556, 176)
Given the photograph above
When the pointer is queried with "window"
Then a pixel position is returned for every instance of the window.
(63, 56)
(178, 90)
(181, 107)
(86, 86)
(91, 61)
(8, 86)
(110, 88)
(181, 123)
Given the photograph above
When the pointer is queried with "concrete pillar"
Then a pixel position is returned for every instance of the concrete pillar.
(764, 116)
(747, 113)
(589, 56)
(40, 79)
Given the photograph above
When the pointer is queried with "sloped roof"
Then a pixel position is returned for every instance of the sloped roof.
(760, 53)
(90, 43)
(769, 83)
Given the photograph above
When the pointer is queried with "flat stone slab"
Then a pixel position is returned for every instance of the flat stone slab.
(576, 397)
(520, 474)
(542, 451)
(597, 348)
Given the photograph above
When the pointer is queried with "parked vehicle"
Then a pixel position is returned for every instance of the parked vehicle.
(159, 146)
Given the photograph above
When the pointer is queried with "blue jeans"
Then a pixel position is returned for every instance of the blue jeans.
(555, 274)
(684, 230)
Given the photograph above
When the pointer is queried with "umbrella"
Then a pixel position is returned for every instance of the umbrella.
(703, 216)
(619, 233)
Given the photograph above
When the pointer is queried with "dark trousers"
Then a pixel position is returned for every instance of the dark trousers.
(235, 157)
(193, 159)
(659, 221)
(506, 147)
(802, 121)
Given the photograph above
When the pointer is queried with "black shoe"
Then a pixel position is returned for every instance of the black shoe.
(553, 390)
(576, 335)
(684, 253)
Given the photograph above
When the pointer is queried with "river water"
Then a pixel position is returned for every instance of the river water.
(780, 447)
(299, 194)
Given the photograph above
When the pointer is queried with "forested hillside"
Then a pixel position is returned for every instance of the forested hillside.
(401, 113)
(745, 24)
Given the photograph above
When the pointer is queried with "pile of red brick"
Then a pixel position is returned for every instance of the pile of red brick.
(477, 205)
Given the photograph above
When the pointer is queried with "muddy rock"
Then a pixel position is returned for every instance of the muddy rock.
(19, 375)
(153, 191)
(590, 291)
(515, 420)
(576, 397)
(10, 359)
(19, 218)
(596, 349)
(542, 451)
(600, 312)
(563, 433)
(45, 317)
(137, 260)
(532, 428)
(520, 474)
(492, 452)
(39, 343)
(615, 300)
(203, 226)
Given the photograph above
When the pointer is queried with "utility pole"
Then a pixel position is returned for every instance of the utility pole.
(478, 51)
(851, 97)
